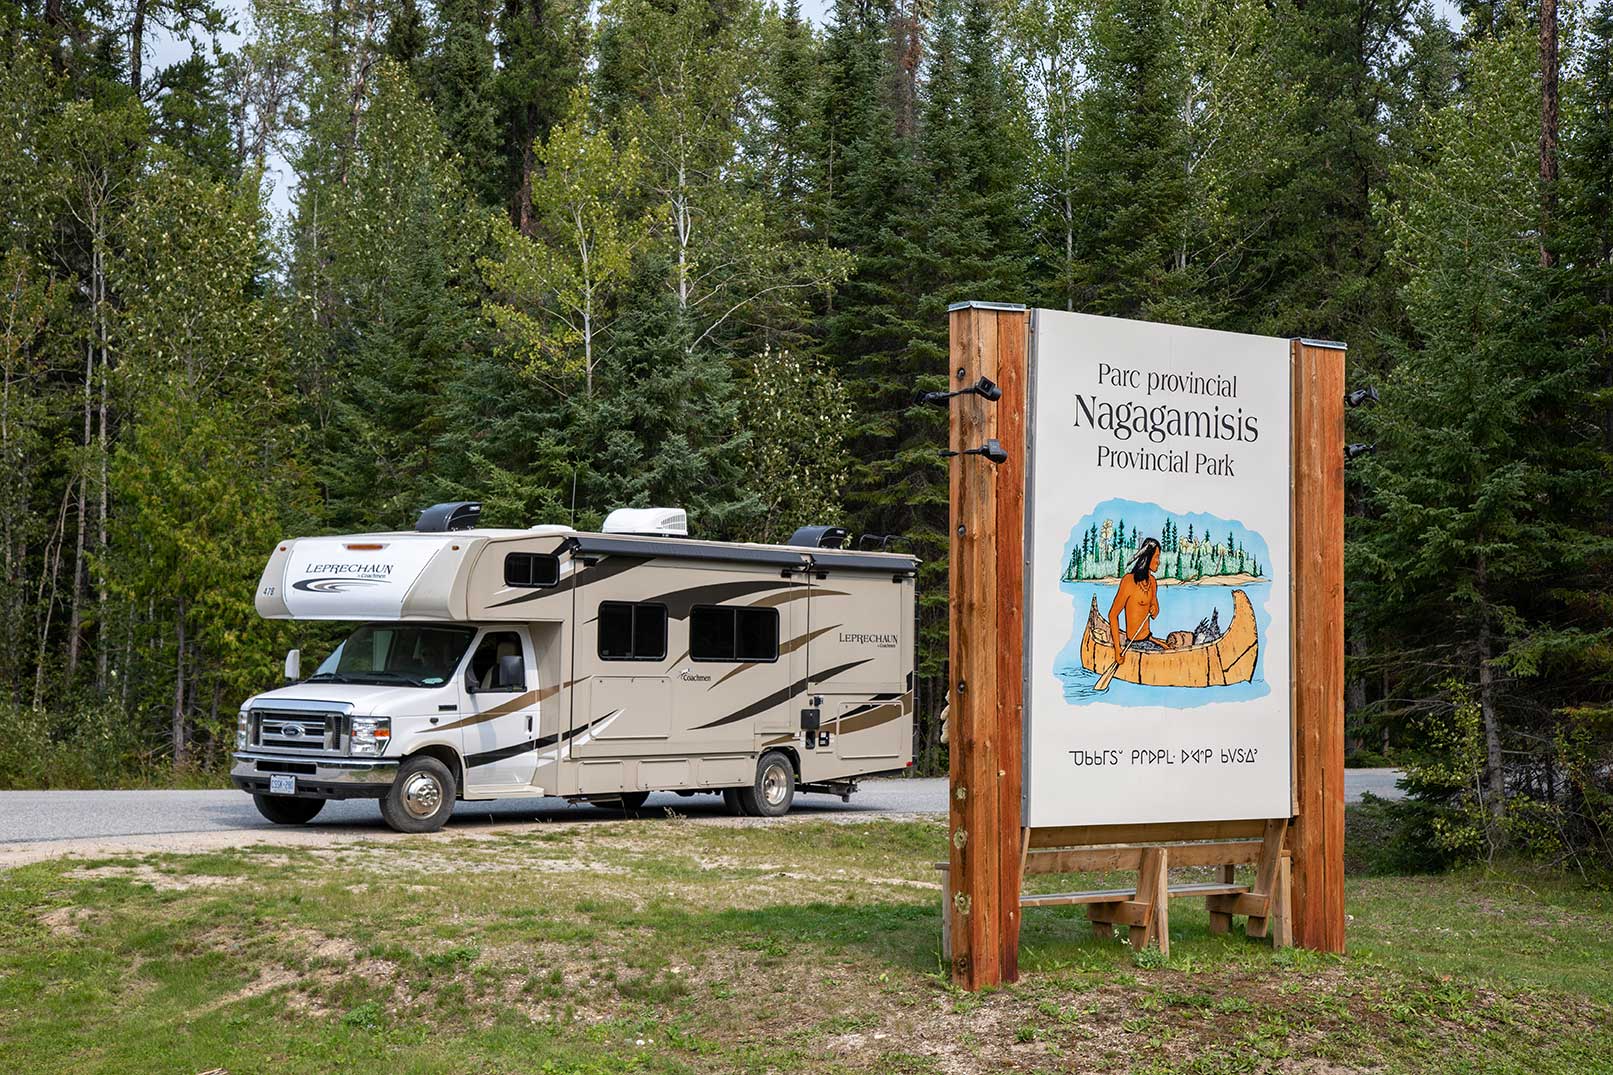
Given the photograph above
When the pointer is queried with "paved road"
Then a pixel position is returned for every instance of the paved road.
(36, 816)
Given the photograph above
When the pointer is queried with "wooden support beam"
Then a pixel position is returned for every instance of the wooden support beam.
(1146, 833)
(1248, 903)
(1282, 897)
(1133, 913)
(987, 632)
(1220, 921)
(1271, 856)
(1318, 655)
(1105, 859)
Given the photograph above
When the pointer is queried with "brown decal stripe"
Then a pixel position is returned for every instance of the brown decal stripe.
(513, 705)
(488, 757)
(870, 718)
(581, 574)
(796, 643)
(796, 593)
(779, 697)
(679, 603)
(787, 648)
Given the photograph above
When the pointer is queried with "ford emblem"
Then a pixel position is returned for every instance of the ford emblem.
(292, 731)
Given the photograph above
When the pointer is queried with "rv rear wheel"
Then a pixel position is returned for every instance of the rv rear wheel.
(284, 810)
(422, 796)
(730, 799)
(774, 788)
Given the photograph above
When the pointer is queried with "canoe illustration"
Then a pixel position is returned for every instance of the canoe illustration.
(1228, 659)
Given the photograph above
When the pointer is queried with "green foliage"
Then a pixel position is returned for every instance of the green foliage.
(563, 258)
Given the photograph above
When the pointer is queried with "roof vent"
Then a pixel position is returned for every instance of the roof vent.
(819, 537)
(648, 522)
(455, 515)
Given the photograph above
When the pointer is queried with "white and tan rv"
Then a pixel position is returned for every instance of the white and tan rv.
(599, 667)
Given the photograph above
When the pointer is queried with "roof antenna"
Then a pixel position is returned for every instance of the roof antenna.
(574, 495)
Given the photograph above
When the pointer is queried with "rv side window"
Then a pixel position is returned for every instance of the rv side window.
(733, 634)
(629, 632)
(531, 569)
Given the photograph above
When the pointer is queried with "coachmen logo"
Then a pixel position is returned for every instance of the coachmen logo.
(857, 638)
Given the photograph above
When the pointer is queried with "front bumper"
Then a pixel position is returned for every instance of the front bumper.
(317, 778)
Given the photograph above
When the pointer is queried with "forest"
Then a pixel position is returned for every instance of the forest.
(561, 257)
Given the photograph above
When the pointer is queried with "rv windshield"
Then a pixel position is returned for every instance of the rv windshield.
(404, 654)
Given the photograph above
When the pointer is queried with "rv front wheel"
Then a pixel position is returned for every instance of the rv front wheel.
(774, 789)
(284, 810)
(422, 796)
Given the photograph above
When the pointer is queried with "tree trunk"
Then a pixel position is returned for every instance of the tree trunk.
(49, 570)
(76, 613)
(1495, 777)
(137, 46)
(1548, 125)
(102, 640)
(179, 684)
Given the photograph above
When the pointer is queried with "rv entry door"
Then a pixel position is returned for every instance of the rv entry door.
(499, 711)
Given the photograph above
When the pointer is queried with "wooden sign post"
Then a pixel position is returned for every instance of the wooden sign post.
(986, 652)
(990, 847)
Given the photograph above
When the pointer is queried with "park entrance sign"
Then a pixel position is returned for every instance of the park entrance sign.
(1157, 578)
(1146, 629)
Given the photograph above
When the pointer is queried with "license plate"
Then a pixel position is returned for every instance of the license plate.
(282, 785)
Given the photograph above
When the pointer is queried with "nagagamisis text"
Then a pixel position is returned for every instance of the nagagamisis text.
(1158, 421)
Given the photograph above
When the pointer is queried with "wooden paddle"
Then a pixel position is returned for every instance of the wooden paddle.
(1108, 677)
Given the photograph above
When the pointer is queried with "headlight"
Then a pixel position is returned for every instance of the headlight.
(241, 729)
(370, 735)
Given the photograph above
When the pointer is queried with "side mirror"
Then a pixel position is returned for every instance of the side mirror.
(293, 665)
(511, 674)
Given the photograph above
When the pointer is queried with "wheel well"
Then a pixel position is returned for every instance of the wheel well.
(448, 757)
(788, 752)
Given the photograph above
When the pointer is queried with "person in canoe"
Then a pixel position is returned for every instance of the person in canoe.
(1138, 599)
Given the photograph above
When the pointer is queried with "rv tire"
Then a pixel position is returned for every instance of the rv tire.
(771, 794)
(284, 810)
(731, 800)
(422, 797)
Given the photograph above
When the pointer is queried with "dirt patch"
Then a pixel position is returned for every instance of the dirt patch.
(143, 874)
(268, 980)
(66, 921)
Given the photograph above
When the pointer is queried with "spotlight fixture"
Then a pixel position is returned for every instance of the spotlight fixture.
(985, 388)
(992, 450)
(1361, 395)
(1355, 451)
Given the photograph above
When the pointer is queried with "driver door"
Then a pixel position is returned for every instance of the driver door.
(498, 707)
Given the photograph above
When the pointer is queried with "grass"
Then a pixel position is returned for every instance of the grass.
(671, 946)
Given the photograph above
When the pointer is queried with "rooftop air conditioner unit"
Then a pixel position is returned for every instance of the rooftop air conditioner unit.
(648, 522)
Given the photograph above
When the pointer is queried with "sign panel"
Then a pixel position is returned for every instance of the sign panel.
(1157, 581)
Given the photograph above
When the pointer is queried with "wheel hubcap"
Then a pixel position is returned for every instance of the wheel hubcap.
(775, 785)
(422, 795)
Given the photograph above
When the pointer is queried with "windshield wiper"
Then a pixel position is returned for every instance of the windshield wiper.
(332, 677)
(385, 676)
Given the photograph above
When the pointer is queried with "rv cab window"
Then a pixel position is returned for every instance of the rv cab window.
(490, 652)
(531, 569)
(733, 634)
(631, 632)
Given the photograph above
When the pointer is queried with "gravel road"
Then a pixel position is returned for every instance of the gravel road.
(40, 824)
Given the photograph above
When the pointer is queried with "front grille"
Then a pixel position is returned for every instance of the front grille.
(301, 733)
(301, 768)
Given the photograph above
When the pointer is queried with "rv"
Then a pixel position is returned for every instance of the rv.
(598, 667)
